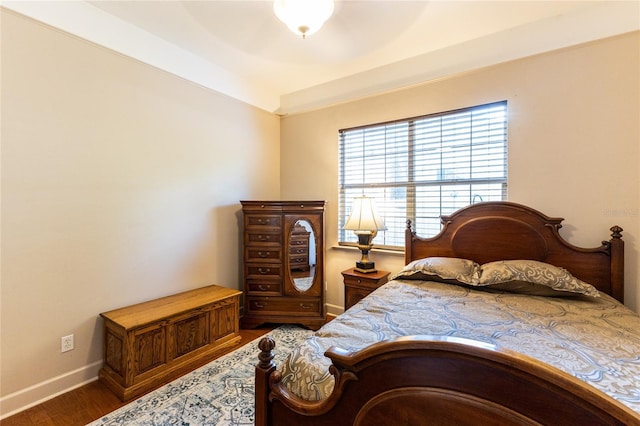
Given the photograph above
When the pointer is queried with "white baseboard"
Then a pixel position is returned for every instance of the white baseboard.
(334, 309)
(43, 391)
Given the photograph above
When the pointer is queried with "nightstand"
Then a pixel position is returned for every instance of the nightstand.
(358, 285)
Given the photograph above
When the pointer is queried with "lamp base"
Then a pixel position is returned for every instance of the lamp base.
(365, 267)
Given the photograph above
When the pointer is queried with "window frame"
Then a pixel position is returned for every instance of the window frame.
(411, 184)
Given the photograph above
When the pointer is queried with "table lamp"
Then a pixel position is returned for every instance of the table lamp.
(365, 223)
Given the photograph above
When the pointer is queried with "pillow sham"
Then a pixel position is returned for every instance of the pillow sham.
(450, 270)
(534, 278)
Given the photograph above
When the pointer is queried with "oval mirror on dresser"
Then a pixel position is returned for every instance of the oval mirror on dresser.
(302, 255)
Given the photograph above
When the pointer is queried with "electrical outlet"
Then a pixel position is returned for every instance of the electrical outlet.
(66, 343)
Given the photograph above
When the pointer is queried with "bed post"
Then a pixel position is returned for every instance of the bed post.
(265, 367)
(616, 245)
(408, 238)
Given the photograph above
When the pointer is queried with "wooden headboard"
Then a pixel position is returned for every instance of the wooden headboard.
(490, 231)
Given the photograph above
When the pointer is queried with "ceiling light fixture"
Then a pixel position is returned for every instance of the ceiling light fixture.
(303, 17)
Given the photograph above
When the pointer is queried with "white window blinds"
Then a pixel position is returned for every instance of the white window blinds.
(423, 167)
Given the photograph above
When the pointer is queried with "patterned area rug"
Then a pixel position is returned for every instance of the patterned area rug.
(219, 393)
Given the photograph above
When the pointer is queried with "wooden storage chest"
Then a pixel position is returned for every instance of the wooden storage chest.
(151, 343)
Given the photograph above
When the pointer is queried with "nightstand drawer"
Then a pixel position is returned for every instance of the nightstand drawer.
(363, 283)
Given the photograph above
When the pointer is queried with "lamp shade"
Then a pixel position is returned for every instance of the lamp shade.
(364, 216)
(303, 17)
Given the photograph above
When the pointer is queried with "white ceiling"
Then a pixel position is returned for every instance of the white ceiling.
(240, 48)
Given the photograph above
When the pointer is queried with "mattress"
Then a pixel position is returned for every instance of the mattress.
(594, 339)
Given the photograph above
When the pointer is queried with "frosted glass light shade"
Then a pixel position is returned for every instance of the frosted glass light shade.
(303, 17)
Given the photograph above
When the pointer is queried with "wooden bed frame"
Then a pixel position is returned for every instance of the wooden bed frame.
(468, 382)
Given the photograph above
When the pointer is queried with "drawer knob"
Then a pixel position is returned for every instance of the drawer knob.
(359, 281)
(306, 306)
(258, 305)
(263, 287)
(263, 253)
(263, 237)
(264, 270)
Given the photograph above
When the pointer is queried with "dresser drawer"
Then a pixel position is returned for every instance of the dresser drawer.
(264, 287)
(259, 220)
(301, 260)
(298, 251)
(263, 271)
(293, 242)
(283, 306)
(263, 254)
(266, 238)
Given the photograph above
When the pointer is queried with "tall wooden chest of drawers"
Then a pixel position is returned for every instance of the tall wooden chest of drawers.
(281, 283)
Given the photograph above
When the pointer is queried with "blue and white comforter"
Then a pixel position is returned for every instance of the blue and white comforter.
(595, 339)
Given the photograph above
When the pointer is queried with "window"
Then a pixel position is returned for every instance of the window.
(423, 167)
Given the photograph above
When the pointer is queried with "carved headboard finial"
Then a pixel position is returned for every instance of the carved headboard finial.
(616, 232)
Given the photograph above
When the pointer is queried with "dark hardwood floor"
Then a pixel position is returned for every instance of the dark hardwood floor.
(89, 402)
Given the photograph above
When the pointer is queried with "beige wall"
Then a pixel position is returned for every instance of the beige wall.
(120, 183)
(574, 136)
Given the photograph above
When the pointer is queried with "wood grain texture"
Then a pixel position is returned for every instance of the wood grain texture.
(449, 381)
(491, 231)
(161, 339)
(271, 237)
(358, 285)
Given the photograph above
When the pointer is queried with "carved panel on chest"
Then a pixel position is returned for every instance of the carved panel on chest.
(153, 342)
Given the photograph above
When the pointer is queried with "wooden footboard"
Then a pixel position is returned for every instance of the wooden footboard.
(437, 380)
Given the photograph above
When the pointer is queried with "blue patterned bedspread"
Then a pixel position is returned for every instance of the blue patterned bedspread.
(595, 339)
